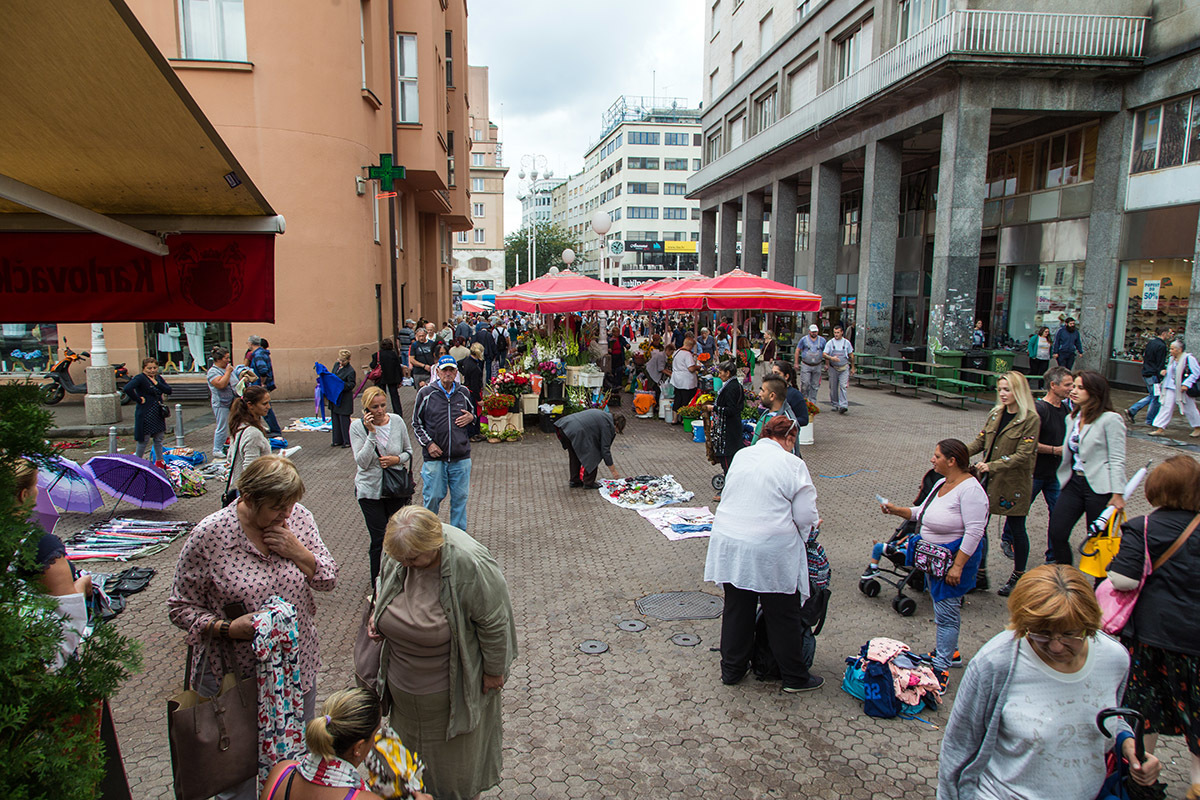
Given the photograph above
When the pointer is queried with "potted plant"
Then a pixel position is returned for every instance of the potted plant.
(498, 405)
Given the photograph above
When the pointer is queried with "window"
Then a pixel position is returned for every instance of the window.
(713, 151)
(766, 33)
(451, 180)
(675, 188)
(642, 163)
(477, 210)
(916, 14)
(642, 188)
(802, 9)
(675, 236)
(449, 59)
(476, 184)
(1058, 160)
(642, 212)
(712, 82)
(615, 214)
(1167, 135)
(643, 137)
(477, 160)
(714, 17)
(609, 148)
(462, 237)
(362, 47)
(675, 213)
(802, 85)
(696, 164)
(737, 131)
(641, 236)
(477, 134)
(213, 30)
(764, 110)
(735, 60)
(375, 219)
(479, 235)
(854, 49)
(675, 163)
(408, 106)
(851, 211)
(676, 139)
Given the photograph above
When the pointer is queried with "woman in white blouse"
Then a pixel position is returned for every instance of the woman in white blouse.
(1182, 374)
(757, 554)
(954, 516)
(380, 441)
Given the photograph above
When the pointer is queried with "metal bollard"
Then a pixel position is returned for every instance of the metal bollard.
(112, 439)
(179, 425)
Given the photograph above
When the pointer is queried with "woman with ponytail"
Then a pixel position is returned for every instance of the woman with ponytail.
(338, 740)
(247, 429)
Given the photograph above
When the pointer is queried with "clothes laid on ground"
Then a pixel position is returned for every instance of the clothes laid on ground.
(309, 424)
(280, 696)
(122, 539)
(680, 523)
(643, 491)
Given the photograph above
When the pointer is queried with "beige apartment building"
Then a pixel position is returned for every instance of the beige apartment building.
(306, 99)
(479, 253)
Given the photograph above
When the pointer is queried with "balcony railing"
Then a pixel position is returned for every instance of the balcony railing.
(999, 34)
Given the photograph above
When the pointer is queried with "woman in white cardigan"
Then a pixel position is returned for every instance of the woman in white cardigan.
(1182, 374)
(1092, 472)
(757, 554)
(380, 440)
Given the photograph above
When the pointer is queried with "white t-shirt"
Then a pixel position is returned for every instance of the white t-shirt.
(1073, 442)
(1048, 743)
(839, 351)
(681, 376)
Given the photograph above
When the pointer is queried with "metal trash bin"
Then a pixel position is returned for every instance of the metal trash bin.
(950, 362)
(976, 359)
(1001, 360)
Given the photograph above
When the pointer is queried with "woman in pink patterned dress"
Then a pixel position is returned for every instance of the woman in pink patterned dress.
(265, 545)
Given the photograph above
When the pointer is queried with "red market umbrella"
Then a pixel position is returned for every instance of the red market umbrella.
(476, 306)
(568, 291)
(738, 290)
(669, 287)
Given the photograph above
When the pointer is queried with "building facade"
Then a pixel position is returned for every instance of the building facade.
(922, 164)
(352, 264)
(479, 253)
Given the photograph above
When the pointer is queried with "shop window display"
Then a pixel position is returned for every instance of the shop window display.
(183, 346)
(1155, 292)
(26, 348)
(1029, 296)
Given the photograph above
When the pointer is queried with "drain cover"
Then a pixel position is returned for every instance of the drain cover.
(686, 639)
(593, 647)
(681, 605)
(631, 625)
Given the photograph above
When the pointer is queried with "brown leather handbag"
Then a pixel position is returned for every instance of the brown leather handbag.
(214, 740)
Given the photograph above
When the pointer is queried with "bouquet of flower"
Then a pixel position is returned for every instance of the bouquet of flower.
(497, 405)
(812, 408)
(581, 397)
(548, 369)
(513, 383)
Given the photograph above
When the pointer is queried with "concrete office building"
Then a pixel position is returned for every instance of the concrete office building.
(535, 199)
(927, 163)
(637, 172)
(479, 253)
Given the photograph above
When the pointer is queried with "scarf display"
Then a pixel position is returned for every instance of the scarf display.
(280, 696)
(393, 770)
(336, 773)
(643, 491)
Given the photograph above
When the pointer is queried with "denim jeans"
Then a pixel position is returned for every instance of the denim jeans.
(273, 428)
(947, 615)
(221, 433)
(438, 477)
(1151, 400)
(1050, 491)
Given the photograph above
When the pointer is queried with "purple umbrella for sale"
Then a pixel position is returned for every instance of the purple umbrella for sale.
(130, 478)
(69, 485)
(44, 513)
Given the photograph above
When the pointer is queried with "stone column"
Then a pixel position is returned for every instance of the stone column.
(752, 232)
(101, 404)
(958, 225)
(781, 258)
(877, 253)
(708, 242)
(727, 239)
(1102, 267)
(825, 233)
(1191, 331)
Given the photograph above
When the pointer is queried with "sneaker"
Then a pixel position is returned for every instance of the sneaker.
(981, 582)
(813, 682)
(1132, 417)
(871, 572)
(955, 660)
(1007, 548)
(843, 410)
(943, 679)
(1158, 432)
(219, 456)
(1006, 589)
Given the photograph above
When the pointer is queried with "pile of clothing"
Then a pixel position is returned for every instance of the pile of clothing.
(110, 590)
(890, 679)
(680, 523)
(122, 539)
(643, 491)
(309, 424)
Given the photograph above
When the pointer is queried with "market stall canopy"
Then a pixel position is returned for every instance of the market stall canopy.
(737, 290)
(119, 201)
(477, 306)
(668, 287)
(565, 292)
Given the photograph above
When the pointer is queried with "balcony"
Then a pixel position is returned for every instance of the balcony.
(1020, 37)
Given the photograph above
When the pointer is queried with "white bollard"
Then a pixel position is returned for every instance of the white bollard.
(112, 439)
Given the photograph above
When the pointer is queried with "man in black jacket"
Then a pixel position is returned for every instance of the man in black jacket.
(442, 415)
(587, 436)
(1154, 368)
(484, 337)
(471, 370)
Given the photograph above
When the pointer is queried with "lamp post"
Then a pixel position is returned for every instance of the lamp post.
(601, 224)
(533, 166)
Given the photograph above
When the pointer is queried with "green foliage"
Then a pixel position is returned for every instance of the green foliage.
(48, 719)
(552, 239)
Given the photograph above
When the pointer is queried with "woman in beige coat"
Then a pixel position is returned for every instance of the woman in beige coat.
(1009, 444)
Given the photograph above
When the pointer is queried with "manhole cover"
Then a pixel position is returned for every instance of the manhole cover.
(686, 639)
(681, 605)
(593, 647)
(631, 625)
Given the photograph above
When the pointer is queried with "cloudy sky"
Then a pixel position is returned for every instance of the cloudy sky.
(557, 65)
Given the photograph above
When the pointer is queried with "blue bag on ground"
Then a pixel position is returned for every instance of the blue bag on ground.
(879, 694)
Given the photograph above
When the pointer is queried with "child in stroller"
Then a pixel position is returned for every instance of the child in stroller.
(898, 551)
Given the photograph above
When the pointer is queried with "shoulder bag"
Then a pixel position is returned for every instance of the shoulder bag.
(397, 481)
(367, 651)
(231, 494)
(376, 372)
(214, 740)
(1194, 389)
(928, 557)
(1116, 607)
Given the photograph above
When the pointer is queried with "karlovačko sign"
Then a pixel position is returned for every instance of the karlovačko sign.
(86, 277)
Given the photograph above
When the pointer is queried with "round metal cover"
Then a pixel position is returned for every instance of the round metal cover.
(631, 625)
(593, 647)
(686, 639)
(681, 605)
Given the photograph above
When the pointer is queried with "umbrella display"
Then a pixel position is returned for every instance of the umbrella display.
(122, 539)
(68, 485)
(568, 291)
(129, 478)
(44, 513)
(737, 290)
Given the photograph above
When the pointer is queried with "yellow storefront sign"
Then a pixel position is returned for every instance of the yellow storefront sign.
(679, 247)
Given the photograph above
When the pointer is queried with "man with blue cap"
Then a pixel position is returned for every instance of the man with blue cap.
(442, 415)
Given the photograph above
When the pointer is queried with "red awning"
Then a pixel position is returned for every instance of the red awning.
(568, 291)
(736, 290)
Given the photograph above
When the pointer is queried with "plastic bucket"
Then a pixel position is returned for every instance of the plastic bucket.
(805, 435)
(698, 431)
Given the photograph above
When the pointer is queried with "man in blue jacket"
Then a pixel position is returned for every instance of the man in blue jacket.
(1067, 344)
(442, 415)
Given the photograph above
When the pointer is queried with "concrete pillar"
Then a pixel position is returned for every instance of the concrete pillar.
(727, 239)
(708, 242)
(877, 253)
(1191, 331)
(101, 404)
(781, 260)
(752, 232)
(1102, 267)
(962, 176)
(825, 233)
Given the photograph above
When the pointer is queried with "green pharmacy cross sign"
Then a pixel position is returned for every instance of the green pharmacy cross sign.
(385, 173)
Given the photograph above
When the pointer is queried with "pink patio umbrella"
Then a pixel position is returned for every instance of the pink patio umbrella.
(734, 291)
(568, 291)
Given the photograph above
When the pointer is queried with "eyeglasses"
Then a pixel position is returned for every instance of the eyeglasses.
(1068, 639)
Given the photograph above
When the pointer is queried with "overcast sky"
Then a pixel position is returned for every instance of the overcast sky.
(557, 65)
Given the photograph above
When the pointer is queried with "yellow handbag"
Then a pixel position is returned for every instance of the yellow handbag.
(1099, 549)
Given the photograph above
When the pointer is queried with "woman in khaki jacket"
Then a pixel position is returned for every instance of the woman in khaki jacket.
(1009, 444)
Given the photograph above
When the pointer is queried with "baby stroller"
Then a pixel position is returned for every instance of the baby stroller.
(895, 557)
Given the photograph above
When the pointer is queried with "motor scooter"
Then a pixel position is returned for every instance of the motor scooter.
(61, 385)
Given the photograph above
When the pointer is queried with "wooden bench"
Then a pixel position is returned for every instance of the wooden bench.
(897, 385)
(961, 387)
(941, 397)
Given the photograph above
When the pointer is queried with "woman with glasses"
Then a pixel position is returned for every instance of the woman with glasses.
(1024, 718)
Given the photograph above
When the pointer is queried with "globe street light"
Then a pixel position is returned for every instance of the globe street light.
(601, 224)
(568, 257)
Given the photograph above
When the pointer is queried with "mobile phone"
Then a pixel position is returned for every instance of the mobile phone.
(234, 610)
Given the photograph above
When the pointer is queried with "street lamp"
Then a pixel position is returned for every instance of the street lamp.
(601, 224)
(533, 165)
(568, 257)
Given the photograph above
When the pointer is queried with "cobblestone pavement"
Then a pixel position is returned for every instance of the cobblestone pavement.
(648, 718)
